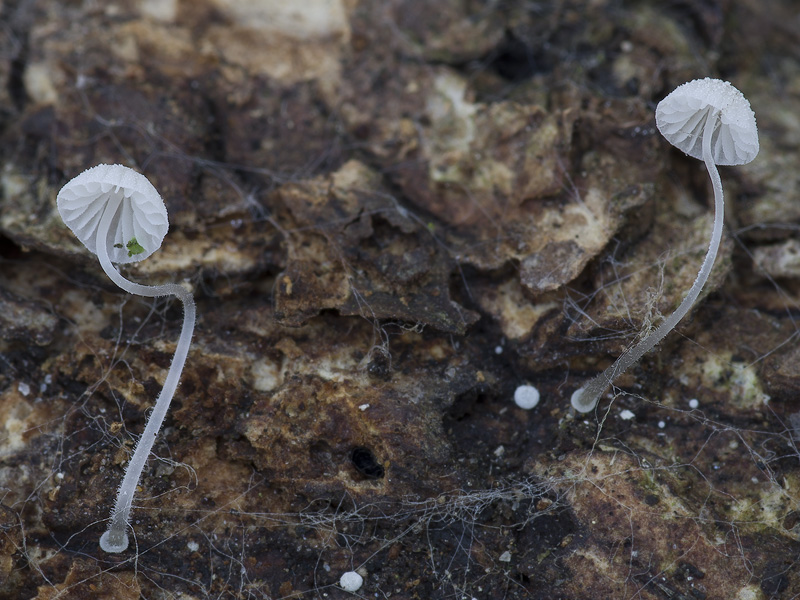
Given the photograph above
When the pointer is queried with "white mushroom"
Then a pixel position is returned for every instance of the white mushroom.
(712, 121)
(526, 397)
(137, 212)
(351, 581)
(709, 106)
(119, 216)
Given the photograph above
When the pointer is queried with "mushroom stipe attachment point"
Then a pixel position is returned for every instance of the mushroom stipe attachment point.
(119, 216)
(712, 121)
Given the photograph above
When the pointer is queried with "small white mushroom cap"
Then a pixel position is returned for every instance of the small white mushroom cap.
(351, 581)
(140, 222)
(526, 397)
(681, 118)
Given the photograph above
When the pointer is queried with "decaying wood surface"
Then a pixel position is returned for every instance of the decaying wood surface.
(392, 214)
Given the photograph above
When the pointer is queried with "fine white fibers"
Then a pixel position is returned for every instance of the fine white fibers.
(526, 396)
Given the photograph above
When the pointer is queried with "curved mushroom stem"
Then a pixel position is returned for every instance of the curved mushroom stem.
(585, 399)
(115, 539)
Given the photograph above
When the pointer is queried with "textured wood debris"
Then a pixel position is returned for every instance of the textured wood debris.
(392, 214)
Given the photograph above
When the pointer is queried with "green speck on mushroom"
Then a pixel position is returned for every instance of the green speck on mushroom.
(134, 247)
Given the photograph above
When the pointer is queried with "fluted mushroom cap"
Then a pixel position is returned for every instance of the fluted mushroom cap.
(140, 221)
(681, 118)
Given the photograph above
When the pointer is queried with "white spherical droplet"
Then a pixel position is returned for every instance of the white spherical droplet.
(351, 581)
(526, 396)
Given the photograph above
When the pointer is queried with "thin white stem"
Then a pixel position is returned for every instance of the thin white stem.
(586, 398)
(115, 539)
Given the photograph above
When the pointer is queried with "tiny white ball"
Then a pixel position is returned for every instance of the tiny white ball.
(626, 415)
(693, 403)
(351, 581)
(526, 396)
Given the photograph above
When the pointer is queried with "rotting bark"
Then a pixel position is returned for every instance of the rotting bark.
(393, 214)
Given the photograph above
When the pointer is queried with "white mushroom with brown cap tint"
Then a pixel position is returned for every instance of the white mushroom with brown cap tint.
(712, 121)
(119, 216)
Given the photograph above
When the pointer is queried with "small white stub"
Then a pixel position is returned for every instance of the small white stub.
(626, 415)
(505, 557)
(351, 581)
(193, 546)
(526, 396)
